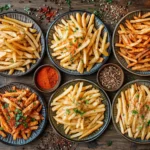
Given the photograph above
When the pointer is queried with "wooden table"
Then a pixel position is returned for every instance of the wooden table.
(49, 137)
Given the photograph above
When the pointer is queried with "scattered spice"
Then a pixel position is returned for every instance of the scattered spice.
(47, 78)
(110, 77)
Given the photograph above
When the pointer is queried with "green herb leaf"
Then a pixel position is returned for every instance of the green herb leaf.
(134, 112)
(11, 91)
(86, 101)
(34, 103)
(25, 124)
(7, 6)
(109, 143)
(32, 119)
(109, 1)
(18, 111)
(142, 116)
(140, 127)
(79, 44)
(129, 3)
(148, 107)
(137, 96)
(6, 105)
(148, 123)
(1, 128)
(17, 124)
(78, 112)
(69, 3)
(68, 111)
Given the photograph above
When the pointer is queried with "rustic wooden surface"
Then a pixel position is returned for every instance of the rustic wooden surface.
(118, 142)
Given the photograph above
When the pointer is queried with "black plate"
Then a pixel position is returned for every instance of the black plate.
(9, 139)
(49, 37)
(115, 39)
(25, 18)
(114, 110)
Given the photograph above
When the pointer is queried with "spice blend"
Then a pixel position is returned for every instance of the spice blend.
(110, 77)
(47, 78)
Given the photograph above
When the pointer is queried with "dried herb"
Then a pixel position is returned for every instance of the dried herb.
(1, 128)
(137, 96)
(148, 123)
(86, 101)
(6, 105)
(148, 107)
(109, 143)
(142, 116)
(134, 112)
(68, 111)
(79, 112)
(69, 3)
(129, 3)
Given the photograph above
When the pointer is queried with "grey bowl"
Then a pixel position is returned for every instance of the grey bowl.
(9, 139)
(59, 128)
(115, 39)
(49, 37)
(25, 18)
(114, 110)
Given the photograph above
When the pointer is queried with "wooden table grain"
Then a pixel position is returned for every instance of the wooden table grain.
(118, 142)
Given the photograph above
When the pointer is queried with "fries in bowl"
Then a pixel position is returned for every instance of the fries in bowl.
(78, 44)
(80, 110)
(20, 45)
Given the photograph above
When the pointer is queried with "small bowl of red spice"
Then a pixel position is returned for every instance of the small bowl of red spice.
(110, 77)
(47, 78)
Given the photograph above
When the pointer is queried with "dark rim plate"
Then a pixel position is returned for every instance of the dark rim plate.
(9, 139)
(115, 39)
(26, 18)
(59, 128)
(114, 110)
(49, 36)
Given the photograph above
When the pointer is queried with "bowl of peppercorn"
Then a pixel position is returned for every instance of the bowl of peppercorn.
(110, 77)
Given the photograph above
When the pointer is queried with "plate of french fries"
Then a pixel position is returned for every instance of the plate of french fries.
(131, 42)
(23, 114)
(79, 111)
(78, 43)
(131, 111)
(21, 44)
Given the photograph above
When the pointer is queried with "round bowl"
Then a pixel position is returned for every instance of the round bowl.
(115, 39)
(122, 76)
(43, 90)
(25, 18)
(18, 142)
(114, 110)
(60, 129)
(49, 37)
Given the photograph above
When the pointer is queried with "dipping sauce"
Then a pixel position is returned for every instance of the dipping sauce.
(110, 77)
(47, 78)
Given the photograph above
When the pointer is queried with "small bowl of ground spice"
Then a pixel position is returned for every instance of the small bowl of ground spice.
(47, 78)
(110, 77)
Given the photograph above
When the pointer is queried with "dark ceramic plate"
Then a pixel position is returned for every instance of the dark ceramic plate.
(49, 37)
(9, 139)
(114, 110)
(59, 128)
(25, 18)
(115, 39)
